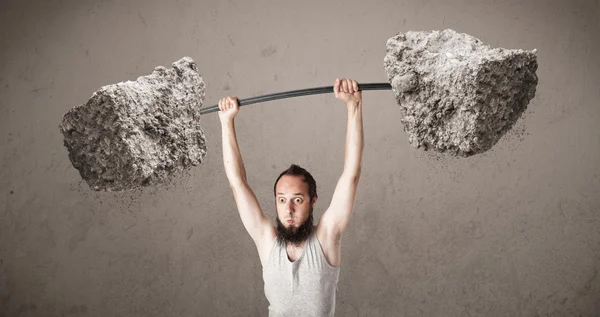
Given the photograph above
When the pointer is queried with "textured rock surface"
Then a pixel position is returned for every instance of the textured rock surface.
(138, 133)
(458, 95)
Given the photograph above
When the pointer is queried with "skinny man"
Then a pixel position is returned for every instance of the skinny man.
(301, 262)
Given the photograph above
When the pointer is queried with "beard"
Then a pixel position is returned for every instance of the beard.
(293, 235)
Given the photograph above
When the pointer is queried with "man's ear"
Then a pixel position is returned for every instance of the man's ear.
(314, 201)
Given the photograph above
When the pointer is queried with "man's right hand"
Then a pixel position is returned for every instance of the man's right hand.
(228, 108)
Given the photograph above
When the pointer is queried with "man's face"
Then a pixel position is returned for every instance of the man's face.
(294, 210)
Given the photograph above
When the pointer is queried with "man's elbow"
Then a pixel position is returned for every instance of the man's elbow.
(356, 178)
(237, 183)
(352, 177)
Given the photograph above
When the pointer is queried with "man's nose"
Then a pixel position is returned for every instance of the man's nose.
(289, 207)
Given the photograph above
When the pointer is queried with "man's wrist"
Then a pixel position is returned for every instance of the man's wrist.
(353, 106)
(227, 122)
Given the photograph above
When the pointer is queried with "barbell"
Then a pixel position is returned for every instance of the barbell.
(456, 96)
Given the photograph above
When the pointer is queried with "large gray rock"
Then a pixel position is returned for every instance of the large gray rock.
(458, 95)
(138, 133)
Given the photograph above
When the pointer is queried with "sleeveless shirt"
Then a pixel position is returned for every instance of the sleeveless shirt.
(306, 287)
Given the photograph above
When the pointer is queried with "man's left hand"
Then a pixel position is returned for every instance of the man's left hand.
(347, 91)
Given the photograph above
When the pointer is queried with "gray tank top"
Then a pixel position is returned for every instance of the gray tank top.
(306, 287)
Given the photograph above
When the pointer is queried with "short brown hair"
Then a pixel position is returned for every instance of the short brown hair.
(295, 170)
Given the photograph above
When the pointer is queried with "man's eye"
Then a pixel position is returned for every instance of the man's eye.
(298, 200)
(281, 200)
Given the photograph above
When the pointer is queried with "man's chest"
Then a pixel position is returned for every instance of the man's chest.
(330, 246)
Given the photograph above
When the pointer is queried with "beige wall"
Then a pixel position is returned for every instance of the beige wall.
(511, 232)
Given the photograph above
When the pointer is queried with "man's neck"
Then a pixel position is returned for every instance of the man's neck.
(294, 247)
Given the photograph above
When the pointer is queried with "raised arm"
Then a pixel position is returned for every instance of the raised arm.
(337, 217)
(254, 220)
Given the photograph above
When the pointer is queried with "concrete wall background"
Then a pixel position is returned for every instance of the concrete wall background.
(511, 232)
